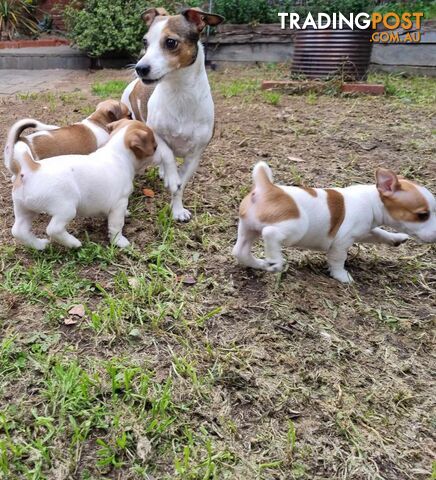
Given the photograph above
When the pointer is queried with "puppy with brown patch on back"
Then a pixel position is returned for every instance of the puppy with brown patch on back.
(80, 138)
(98, 184)
(179, 108)
(330, 219)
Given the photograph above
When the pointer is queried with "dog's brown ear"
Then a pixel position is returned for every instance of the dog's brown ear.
(150, 14)
(112, 110)
(141, 142)
(116, 125)
(200, 19)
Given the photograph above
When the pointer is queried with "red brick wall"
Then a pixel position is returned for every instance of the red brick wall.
(55, 9)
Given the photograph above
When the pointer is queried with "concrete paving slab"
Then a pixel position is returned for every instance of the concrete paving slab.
(30, 81)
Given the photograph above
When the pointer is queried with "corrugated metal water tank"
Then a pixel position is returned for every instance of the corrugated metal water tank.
(322, 53)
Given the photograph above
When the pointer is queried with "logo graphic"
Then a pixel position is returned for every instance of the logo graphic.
(409, 22)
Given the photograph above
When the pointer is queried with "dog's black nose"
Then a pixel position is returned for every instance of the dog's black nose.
(142, 71)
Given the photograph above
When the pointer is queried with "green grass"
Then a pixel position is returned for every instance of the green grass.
(273, 98)
(413, 90)
(109, 89)
(236, 374)
(238, 87)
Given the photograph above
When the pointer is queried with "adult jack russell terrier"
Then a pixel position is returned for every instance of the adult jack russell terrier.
(180, 109)
(331, 219)
(80, 138)
(98, 184)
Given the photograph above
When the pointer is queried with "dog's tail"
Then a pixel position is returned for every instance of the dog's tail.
(22, 162)
(14, 134)
(262, 175)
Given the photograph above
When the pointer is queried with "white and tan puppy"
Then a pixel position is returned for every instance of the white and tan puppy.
(331, 219)
(80, 138)
(180, 109)
(98, 184)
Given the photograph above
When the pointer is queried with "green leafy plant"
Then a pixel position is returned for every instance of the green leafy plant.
(102, 27)
(252, 11)
(427, 7)
(106, 26)
(16, 16)
(265, 11)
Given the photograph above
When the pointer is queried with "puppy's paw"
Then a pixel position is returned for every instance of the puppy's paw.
(161, 172)
(73, 243)
(271, 266)
(342, 276)
(40, 243)
(399, 238)
(121, 241)
(182, 215)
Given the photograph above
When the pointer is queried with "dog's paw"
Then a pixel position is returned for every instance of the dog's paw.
(342, 276)
(399, 238)
(121, 241)
(182, 215)
(161, 172)
(73, 243)
(40, 243)
(271, 266)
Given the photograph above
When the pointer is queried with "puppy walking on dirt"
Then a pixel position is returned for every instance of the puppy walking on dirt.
(92, 185)
(331, 219)
(80, 138)
(180, 110)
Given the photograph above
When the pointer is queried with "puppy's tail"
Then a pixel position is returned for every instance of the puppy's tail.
(14, 134)
(262, 175)
(22, 162)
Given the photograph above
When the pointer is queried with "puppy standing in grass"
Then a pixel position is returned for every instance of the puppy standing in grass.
(98, 184)
(331, 219)
(80, 138)
(180, 109)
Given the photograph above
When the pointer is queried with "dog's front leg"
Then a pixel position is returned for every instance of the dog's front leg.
(167, 166)
(378, 235)
(116, 223)
(188, 169)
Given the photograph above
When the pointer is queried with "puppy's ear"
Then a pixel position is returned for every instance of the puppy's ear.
(111, 127)
(112, 110)
(386, 181)
(150, 14)
(125, 112)
(141, 142)
(200, 19)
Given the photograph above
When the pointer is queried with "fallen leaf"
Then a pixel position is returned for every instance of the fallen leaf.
(148, 193)
(295, 159)
(78, 310)
(70, 321)
(188, 280)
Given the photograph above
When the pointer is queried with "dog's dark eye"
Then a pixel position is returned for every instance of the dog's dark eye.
(171, 44)
(145, 42)
(423, 216)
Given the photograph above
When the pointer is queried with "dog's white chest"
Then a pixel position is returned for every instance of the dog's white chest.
(185, 122)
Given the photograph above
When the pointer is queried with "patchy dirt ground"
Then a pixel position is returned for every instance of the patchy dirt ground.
(186, 365)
